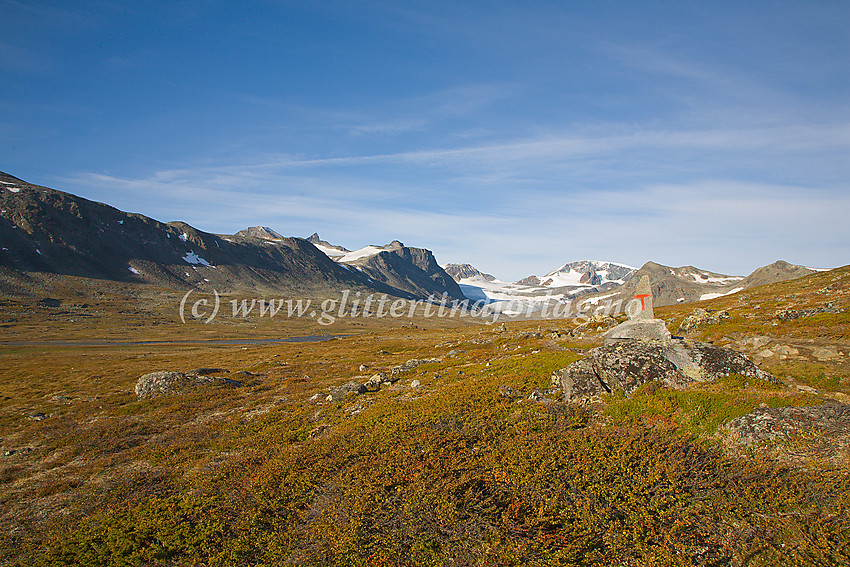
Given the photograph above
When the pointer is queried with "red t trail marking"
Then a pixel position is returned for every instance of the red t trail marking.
(641, 297)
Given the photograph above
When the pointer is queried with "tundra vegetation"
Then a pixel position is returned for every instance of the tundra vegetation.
(462, 469)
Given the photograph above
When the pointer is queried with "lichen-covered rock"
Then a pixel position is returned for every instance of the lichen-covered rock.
(579, 380)
(700, 318)
(340, 392)
(627, 365)
(410, 365)
(161, 383)
(705, 362)
(791, 314)
(509, 392)
(831, 420)
(631, 364)
(540, 396)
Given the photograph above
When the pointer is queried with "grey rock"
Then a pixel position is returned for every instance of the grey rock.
(631, 364)
(509, 392)
(540, 396)
(207, 371)
(373, 384)
(826, 353)
(786, 350)
(161, 383)
(639, 330)
(715, 362)
(791, 314)
(339, 392)
(410, 365)
(700, 318)
(627, 365)
(830, 419)
(415, 384)
(754, 343)
(579, 380)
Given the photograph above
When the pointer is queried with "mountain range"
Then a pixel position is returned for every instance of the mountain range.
(47, 231)
(592, 282)
(43, 230)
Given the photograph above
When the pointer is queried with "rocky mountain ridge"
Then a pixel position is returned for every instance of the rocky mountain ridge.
(50, 231)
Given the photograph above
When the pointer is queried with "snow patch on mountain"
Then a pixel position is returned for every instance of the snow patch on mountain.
(364, 252)
(331, 253)
(707, 296)
(193, 258)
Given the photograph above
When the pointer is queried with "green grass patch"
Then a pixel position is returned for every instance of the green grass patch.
(700, 410)
(816, 375)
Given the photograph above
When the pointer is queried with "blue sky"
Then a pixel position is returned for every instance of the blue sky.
(515, 136)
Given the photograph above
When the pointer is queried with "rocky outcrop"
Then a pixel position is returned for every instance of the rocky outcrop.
(590, 277)
(791, 314)
(627, 365)
(530, 280)
(410, 365)
(339, 392)
(830, 422)
(465, 271)
(701, 318)
(161, 383)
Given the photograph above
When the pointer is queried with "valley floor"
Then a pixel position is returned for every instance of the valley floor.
(448, 463)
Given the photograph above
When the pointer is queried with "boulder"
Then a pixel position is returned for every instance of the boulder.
(509, 392)
(700, 318)
(207, 371)
(541, 396)
(161, 383)
(705, 362)
(791, 314)
(579, 380)
(373, 384)
(410, 365)
(830, 420)
(627, 365)
(339, 392)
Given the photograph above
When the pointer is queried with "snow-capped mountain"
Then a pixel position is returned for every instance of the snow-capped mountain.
(533, 293)
(687, 283)
(332, 251)
(588, 273)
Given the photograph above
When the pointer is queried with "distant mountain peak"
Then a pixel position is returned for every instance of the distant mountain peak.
(262, 232)
(332, 250)
(466, 271)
